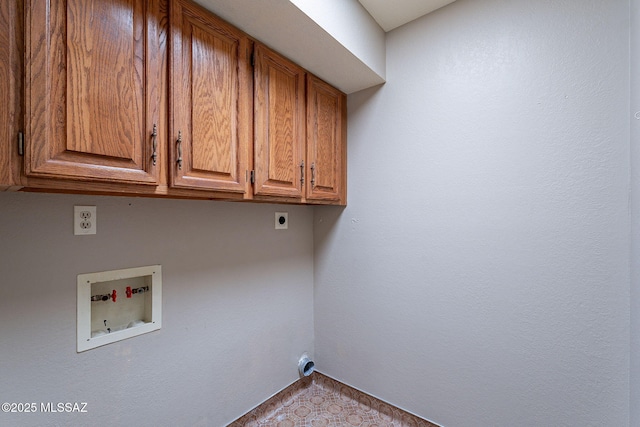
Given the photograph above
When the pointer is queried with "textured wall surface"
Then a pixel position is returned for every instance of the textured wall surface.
(237, 309)
(480, 273)
(635, 212)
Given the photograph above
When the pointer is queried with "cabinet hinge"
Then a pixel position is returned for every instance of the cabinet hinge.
(252, 174)
(21, 143)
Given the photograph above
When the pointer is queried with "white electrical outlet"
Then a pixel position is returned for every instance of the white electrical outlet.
(282, 220)
(84, 220)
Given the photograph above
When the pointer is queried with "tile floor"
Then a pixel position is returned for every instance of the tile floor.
(322, 401)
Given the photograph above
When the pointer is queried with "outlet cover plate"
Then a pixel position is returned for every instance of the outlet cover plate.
(282, 220)
(84, 220)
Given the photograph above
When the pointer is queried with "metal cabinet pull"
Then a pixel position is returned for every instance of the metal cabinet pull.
(179, 142)
(313, 175)
(154, 138)
(302, 172)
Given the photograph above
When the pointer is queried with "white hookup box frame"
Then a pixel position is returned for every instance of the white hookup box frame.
(137, 308)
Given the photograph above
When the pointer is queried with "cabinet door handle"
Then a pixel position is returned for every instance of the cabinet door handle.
(154, 138)
(179, 142)
(313, 175)
(302, 172)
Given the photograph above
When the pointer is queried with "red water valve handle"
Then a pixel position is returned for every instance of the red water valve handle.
(113, 296)
(128, 291)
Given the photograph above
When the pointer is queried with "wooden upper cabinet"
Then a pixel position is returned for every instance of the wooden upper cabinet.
(279, 125)
(92, 78)
(110, 107)
(210, 101)
(326, 143)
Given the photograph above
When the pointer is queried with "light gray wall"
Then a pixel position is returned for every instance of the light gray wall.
(635, 212)
(480, 273)
(237, 309)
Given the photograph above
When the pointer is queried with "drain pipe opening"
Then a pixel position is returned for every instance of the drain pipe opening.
(306, 366)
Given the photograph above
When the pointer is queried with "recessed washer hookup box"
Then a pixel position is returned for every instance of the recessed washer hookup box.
(118, 304)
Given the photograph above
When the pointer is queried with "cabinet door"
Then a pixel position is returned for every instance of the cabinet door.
(210, 101)
(92, 89)
(279, 120)
(326, 142)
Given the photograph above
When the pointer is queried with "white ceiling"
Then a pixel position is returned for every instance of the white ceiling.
(390, 14)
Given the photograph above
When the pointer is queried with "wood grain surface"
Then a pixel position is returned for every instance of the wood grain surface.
(91, 89)
(326, 146)
(279, 125)
(210, 101)
(11, 70)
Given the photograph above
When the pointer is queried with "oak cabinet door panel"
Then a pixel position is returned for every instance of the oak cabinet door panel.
(209, 101)
(325, 141)
(92, 79)
(279, 125)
